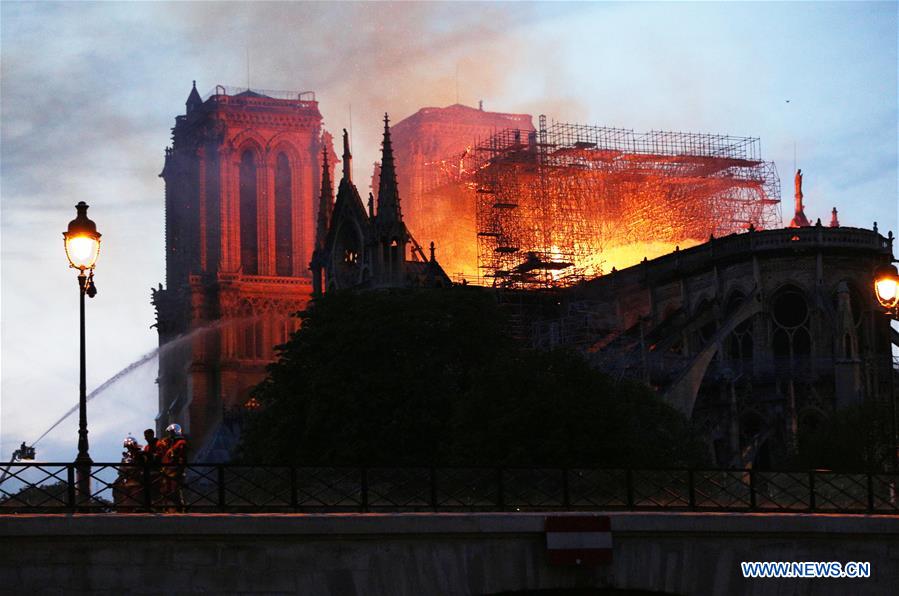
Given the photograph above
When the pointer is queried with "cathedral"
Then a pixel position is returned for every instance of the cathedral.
(252, 232)
(753, 336)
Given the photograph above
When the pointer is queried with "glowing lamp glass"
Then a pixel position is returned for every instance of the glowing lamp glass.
(887, 290)
(82, 240)
(82, 251)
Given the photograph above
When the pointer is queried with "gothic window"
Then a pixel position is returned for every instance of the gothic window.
(781, 344)
(283, 217)
(791, 340)
(248, 343)
(347, 256)
(739, 345)
(252, 344)
(291, 327)
(258, 344)
(250, 332)
(852, 347)
(249, 252)
(802, 342)
(394, 251)
(790, 308)
(285, 327)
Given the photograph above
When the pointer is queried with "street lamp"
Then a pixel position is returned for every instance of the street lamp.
(82, 243)
(886, 288)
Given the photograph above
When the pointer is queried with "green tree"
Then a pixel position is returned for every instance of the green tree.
(431, 377)
(854, 438)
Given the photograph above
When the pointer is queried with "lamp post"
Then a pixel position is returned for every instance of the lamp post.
(82, 244)
(886, 289)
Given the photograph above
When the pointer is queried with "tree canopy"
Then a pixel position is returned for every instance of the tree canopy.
(854, 438)
(430, 377)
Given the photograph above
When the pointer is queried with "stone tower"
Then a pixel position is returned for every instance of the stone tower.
(242, 179)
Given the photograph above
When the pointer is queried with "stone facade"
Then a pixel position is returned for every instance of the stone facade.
(241, 180)
(753, 335)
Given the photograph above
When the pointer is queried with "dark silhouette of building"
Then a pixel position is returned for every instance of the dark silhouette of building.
(361, 247)
(753, 336)
(241, 180)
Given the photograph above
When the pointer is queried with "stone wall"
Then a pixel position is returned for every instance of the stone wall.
(420, 554)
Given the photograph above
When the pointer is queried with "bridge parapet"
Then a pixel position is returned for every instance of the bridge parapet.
(471, 553)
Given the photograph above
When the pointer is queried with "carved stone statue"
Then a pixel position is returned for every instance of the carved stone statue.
(799, 218)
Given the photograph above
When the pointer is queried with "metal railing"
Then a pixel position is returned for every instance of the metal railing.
(32, 487)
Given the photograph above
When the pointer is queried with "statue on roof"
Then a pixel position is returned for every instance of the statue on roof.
(799, 218)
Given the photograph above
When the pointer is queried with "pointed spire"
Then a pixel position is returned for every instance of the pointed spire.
(388, 195)
(325, 204)
(194, 99)
(371, 205)
(834, 220)
(432, 251)
(347, 158)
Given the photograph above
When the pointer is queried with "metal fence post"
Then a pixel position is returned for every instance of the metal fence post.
(70, 486)
(629, 487)
(752, 498)
(870, 493)
(148, 487)
(811, 490)
(221, 486)
(294, 497)
(500, 496)
(433, 483)
(364, 503)
(691, 489)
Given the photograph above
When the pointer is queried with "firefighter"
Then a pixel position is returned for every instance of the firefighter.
(149, 453)
(174, 461)
(151, 456)
(126, 489)
(130, 447)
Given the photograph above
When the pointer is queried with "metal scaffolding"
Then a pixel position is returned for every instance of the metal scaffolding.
(550, 201)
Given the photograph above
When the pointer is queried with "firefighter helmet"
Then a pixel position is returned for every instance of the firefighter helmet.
(174, 429)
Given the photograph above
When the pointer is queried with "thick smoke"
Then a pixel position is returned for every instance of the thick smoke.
(365, 59)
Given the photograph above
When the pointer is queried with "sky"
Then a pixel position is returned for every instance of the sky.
(89, 93)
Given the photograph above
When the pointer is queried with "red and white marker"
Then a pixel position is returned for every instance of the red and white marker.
(579, 540)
